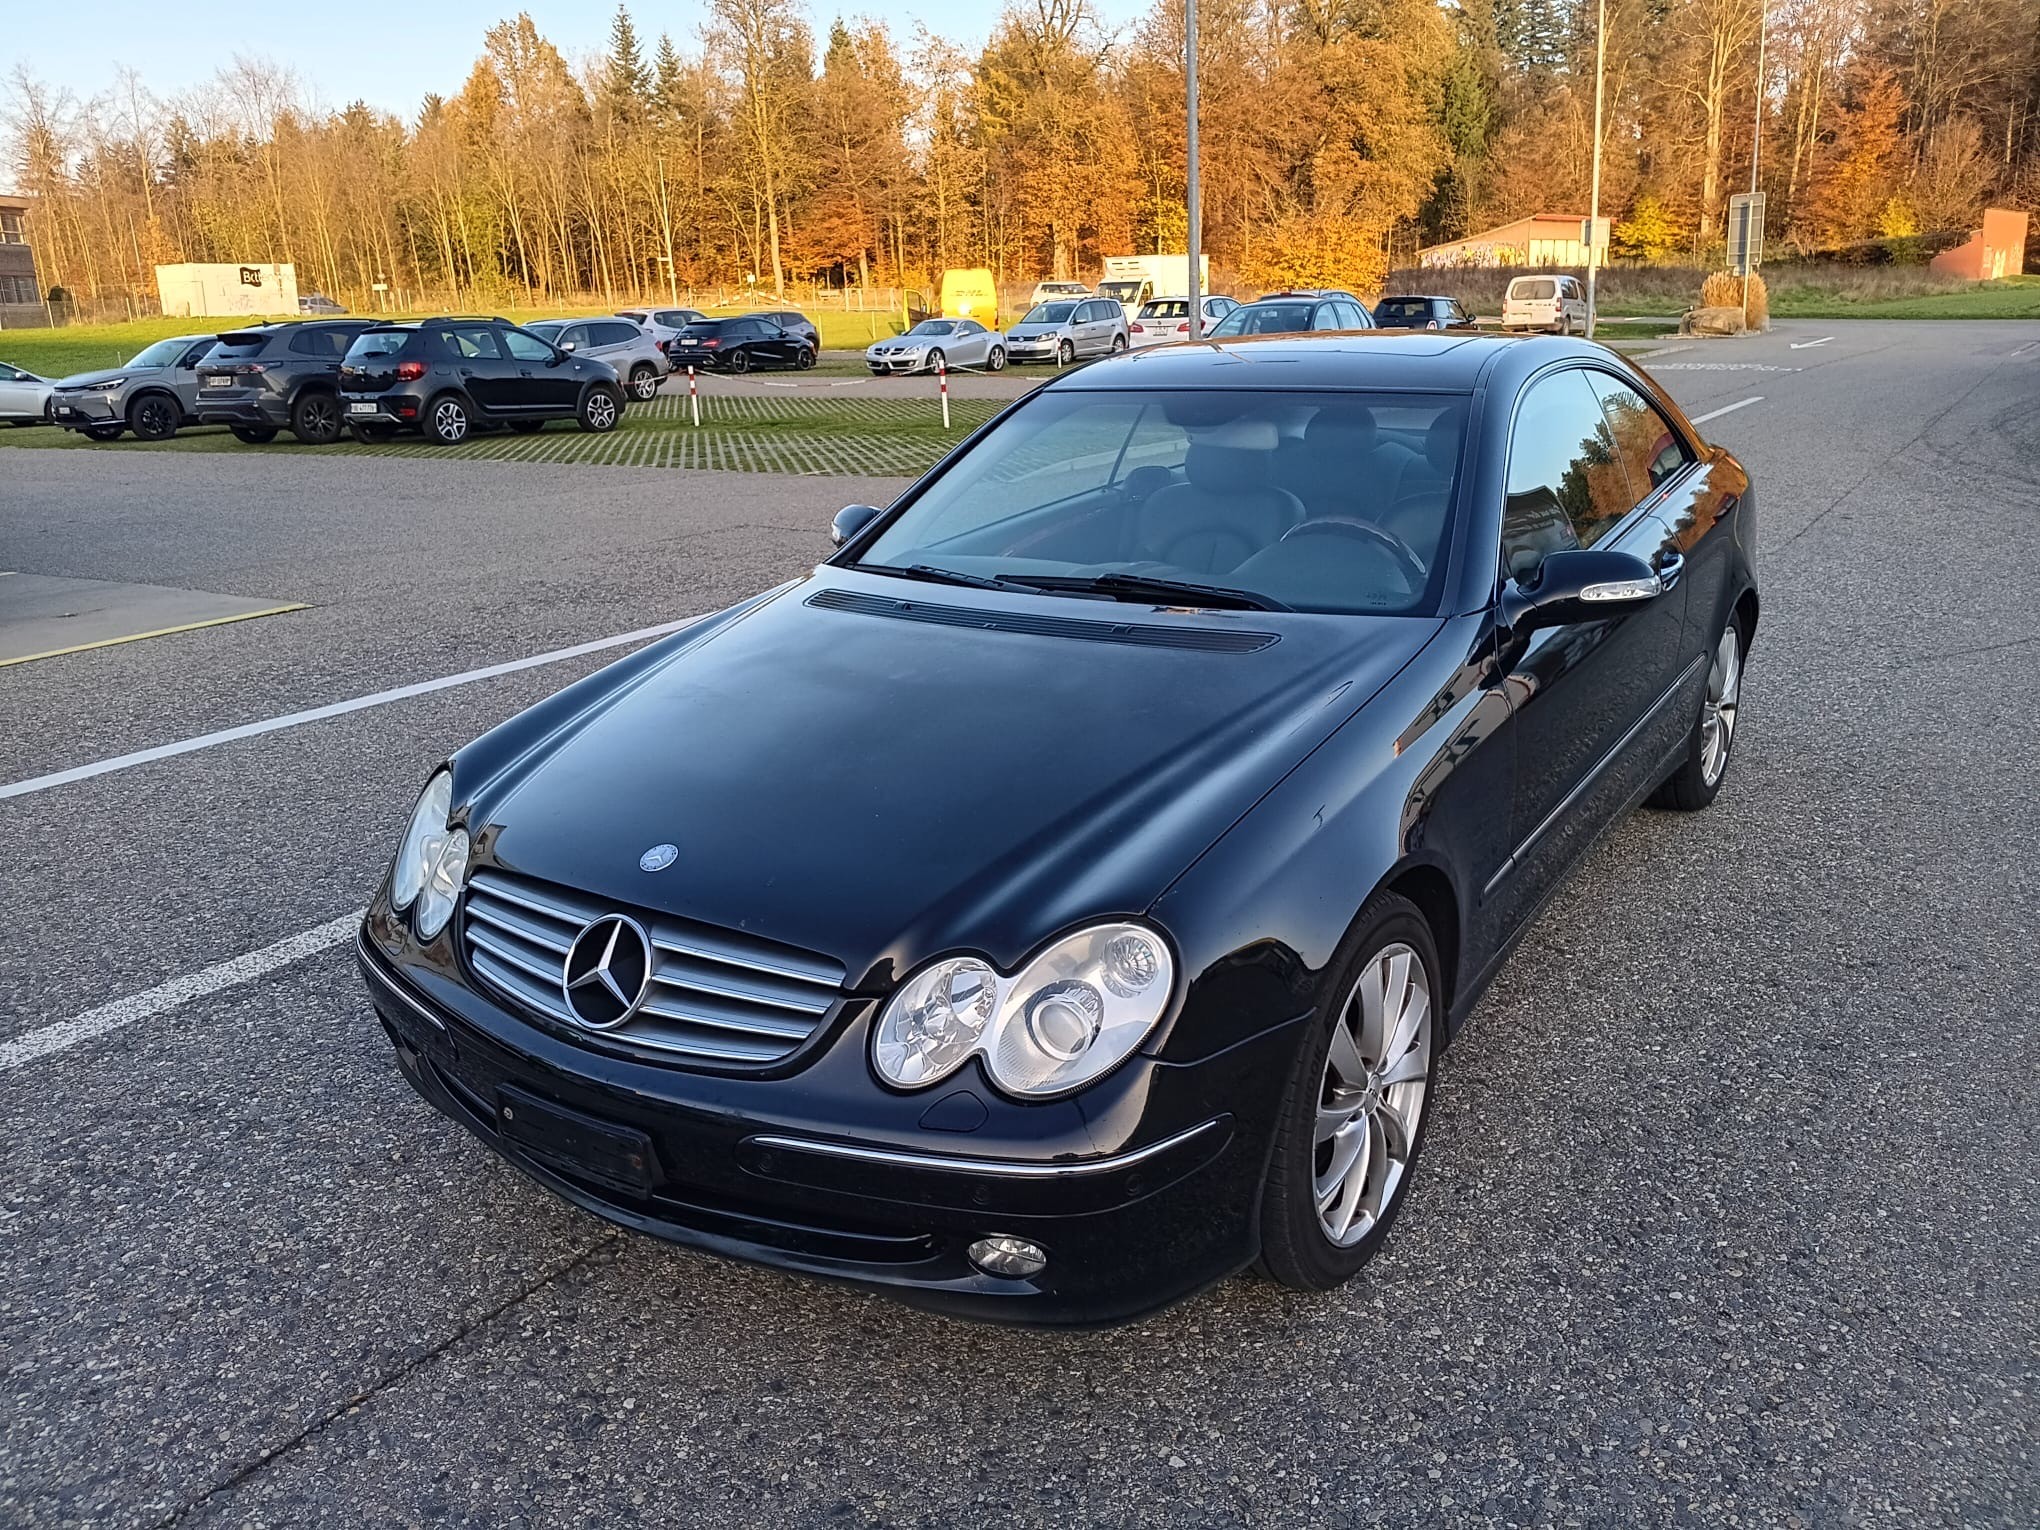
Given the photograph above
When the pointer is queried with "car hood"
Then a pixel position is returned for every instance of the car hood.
(878, 770)
(108, 374)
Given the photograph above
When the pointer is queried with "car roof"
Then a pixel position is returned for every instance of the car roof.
(1429, 361)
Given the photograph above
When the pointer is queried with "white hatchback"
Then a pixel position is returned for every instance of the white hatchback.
(1556, 303)
(1168, 318)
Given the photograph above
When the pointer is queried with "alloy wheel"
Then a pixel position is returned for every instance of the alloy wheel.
(644, 384)
(601, 411)
(1717, 715)
(1371, 1098)
(449, 421)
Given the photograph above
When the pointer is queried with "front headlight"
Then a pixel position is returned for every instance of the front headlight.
(1066, 1019)
(432, 860)
(105, 387)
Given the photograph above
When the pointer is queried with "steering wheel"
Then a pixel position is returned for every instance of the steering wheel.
(1408, 564)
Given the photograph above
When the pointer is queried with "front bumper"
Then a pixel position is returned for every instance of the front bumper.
(894, 365)
(1127, 1232)
(75, 411)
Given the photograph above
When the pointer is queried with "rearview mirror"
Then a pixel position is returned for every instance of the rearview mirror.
(1582, 585)
(850, 520)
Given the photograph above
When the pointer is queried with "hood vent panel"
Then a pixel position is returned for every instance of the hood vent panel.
(1134, 634)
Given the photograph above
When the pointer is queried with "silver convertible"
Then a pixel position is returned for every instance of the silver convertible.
(934, 345)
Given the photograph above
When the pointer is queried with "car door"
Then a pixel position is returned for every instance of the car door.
(19, 399)
(183, 377)
(544, 378)
(1592, 702)
(967, 344)
(479, 366)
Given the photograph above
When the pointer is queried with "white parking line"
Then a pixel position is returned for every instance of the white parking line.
(333, 709)
(1715, 414)
(1807, 345)
(61, 1035)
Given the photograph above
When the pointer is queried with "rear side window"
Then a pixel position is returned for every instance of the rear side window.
(1651, 451)
(326, 344)
(615, 334)
(1566, 487)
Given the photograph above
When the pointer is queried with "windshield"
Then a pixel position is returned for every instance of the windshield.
(376, 343)
(1049, 313)
(1265, 319)
(550, 328)
(1313, 501)
(1533, 289)
(702, 331)
(162, 354)
(934, 327)
(1168, 308)
(1120, 290)
(1404, 308)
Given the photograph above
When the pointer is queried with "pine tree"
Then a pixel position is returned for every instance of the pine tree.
(626, 82)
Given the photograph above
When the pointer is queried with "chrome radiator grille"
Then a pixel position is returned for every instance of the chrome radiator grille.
(714, 994)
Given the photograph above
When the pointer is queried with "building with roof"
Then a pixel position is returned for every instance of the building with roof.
(1542, 239)
(18, 286)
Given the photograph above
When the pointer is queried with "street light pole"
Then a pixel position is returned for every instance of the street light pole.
(1195, 199)
(1594, 197)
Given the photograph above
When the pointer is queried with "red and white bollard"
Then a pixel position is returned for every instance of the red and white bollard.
(693, 398)
(942, 379)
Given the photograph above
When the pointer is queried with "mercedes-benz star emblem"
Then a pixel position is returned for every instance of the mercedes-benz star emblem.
(608, 970)
(658, 858)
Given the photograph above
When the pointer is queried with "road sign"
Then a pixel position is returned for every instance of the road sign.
(1745, 232)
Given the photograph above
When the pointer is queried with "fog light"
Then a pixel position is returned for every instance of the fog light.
(1013, 1258)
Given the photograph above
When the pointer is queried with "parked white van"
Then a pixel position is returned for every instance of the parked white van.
(1556, 303)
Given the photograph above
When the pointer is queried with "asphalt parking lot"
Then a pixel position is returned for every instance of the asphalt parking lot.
(1729, 1216)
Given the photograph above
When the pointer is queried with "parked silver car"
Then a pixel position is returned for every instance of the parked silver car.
(24, 397)
(153, 395)
(635, 354)
(662, 324)
(939, 343)
(1063, 329)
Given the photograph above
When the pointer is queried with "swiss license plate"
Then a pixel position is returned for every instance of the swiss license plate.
(66, 410)
(360, 408)
(583, 1146)
(219, 382)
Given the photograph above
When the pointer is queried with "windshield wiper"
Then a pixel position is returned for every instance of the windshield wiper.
(934, 575)
(1137, 586)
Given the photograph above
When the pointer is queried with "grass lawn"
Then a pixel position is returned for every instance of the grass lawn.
(2014, 297)
(880, 438)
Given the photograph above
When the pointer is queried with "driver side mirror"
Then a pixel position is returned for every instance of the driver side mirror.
(850, 520)
(568, 345)
(1580, 585)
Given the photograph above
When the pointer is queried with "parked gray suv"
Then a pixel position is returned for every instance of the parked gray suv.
(152, 395)
(636, 355)
(1063, 329)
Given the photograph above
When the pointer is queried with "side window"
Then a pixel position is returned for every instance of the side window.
(195, 355)
(474, 344)
(309, 342)
(1566, 486)
(523, 347)
(1325, 316)
(1649, 449)
(620, 334)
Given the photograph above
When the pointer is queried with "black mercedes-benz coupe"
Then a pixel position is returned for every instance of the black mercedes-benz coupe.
(1063, 897)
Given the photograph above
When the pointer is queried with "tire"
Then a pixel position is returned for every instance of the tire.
(448, 420)
(601, 410)
(1697, 781)
(1118, 344)
(527, 427)
(254, 435)
(1065, 353)
(1564, 325)
(1386, 1115)
(937, 362)
(104, 432)
(644, 383)
(315, 418)
(995, 359)
(806, 358)
(740, 361)
(153, 417)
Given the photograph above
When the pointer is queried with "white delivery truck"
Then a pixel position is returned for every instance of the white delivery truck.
(1134, 279)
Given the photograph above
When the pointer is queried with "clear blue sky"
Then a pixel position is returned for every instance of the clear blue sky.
(389, 53)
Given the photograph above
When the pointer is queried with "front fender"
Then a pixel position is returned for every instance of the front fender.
(1418, 778)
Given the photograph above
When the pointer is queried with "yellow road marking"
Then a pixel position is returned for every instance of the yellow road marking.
(136, 637)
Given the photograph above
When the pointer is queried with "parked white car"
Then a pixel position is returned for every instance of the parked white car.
(939, 344)
(24, 397)
(1161, 320)
(1045, 291)
(662, 324)
(1556, 303)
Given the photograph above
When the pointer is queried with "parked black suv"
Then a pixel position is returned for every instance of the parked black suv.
(738, 345)
(447, 378)
(262, 379)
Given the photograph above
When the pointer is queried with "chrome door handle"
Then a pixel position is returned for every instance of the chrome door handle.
(1669, 566)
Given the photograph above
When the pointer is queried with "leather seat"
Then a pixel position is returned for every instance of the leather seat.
(1225, 511)
(1342, 469)
(1417, 514)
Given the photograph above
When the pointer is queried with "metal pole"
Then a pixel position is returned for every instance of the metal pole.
(1195, 198)
(1756, 149)
(1594, 197)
